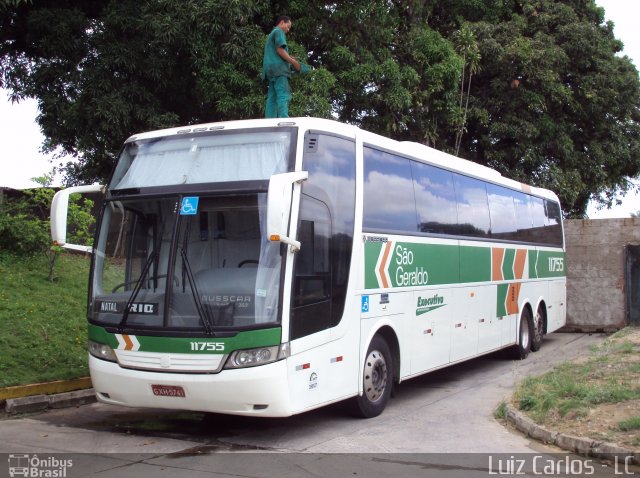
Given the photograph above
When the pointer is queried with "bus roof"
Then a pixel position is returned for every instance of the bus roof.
(411, 149)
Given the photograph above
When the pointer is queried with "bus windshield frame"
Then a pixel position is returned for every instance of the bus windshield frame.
(169, 271)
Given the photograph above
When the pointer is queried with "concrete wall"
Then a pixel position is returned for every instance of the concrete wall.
(596, 271)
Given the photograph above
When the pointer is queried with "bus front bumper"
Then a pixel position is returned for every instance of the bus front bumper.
(255, 391)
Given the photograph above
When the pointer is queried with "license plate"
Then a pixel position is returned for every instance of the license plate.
(168, 391)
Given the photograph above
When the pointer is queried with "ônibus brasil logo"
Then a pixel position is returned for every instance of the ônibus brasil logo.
(38, 467)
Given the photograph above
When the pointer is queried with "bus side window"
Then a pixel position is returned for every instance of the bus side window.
(538, 214)
(389, 201)
(554, 223)
(312, 281)
(325, 230)
(473, 208)
(503, 213)
(435, 199)
(523, 216)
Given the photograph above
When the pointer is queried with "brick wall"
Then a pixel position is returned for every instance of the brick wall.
(596, 271)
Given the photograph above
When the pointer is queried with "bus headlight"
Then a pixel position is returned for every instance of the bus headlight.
(257, 356)
(102, 351)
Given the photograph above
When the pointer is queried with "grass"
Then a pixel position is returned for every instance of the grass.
(43, 324)
(611, 374)
(630, 424)
(501, 411)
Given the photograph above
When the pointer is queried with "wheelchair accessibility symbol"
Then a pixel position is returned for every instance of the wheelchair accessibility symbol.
(365, 304)
(189, 206)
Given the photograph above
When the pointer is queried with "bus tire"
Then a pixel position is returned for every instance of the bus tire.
(525, 332)
(377, 380)
(538, 330)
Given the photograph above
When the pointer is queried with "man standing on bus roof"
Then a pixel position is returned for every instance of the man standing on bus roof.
(277, 68)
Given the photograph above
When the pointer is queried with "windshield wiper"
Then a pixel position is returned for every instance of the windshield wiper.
(136, 290)
(202, 311)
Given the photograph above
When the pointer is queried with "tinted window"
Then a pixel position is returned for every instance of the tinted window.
(325, 231)
(312, 262)
(503, 212)
(389, 203)
(407, 196)
(538, 215)
(473, 209)
(523, 215)
(435, 199)
(554, 223)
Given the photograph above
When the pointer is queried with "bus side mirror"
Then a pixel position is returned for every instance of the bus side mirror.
(279, 206)
(59, 210)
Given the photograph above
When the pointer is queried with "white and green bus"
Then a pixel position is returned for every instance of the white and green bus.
(270, 267)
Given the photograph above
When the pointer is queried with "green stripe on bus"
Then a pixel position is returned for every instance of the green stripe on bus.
(533, 263)
(371, 254)
(507, 264)
(475, 264)
(501, 309)
(242, 340)
(551, 264)
(408, 264)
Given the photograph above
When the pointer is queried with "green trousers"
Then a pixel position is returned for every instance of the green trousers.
(278, 97)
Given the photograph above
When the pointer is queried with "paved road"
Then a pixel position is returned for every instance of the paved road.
(449, 411)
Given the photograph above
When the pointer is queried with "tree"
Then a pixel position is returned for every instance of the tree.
(103, 70)
(467, 47)
(24, 224)
(554, 105)
(550, 103)
(394, 75)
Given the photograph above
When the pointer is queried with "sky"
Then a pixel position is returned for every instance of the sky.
(21, 139)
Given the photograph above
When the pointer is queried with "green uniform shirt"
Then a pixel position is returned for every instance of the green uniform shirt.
(272, 64)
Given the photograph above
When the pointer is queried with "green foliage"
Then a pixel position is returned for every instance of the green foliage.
(37, 329)
(533, 88)
(24, 228)
(501, 411)
(553, 105)
(24, 224)
(630, 424)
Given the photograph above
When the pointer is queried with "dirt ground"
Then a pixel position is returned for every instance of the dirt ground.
(601, 423)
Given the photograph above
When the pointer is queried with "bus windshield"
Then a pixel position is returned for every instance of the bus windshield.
(213, 157)
(157, 267)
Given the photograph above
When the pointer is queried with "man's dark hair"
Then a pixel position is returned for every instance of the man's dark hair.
(283, 18)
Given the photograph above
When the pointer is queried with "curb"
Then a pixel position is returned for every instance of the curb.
(42, 396)
(579, 445)
(39, 403)
(46, 388)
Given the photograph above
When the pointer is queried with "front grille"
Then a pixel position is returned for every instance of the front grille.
(164, 362)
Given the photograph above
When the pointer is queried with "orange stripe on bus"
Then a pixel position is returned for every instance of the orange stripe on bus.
(512, 298)
(497, 255)
(518, 266)
(385, 256)
(128, 341)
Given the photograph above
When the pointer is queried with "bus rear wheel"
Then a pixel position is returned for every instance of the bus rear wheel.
(377, 380)
(538, 330)
(523, 347)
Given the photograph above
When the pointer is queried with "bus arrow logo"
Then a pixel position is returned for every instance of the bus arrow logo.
(127, 342)
(382, 266)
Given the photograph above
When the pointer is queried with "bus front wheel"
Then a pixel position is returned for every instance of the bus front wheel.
(377, 380)
(523, 347)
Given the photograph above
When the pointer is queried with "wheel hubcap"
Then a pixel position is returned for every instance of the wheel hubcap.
(375, 376)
